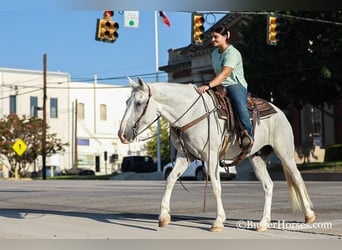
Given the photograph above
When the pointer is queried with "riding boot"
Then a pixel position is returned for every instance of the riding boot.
(246, 141)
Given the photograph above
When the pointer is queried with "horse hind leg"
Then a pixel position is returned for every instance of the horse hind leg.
(299, 196)
(263, 176)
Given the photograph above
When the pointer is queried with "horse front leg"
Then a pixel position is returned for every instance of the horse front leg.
(181, 165)
(214, 172)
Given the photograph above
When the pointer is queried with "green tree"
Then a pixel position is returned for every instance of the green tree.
(30, 130)
(164, 142)
(305, 66)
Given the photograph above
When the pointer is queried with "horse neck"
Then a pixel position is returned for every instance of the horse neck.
(173, 99)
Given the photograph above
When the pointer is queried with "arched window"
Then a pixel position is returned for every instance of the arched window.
(103, 112)
(80, 110)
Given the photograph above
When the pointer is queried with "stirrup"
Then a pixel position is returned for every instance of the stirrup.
(246, 141)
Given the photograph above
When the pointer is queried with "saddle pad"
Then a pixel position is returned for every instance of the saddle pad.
(263, 107)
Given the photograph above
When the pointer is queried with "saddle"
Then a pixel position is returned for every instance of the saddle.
(258, 109)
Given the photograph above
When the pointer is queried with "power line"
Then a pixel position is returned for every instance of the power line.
(288, 16)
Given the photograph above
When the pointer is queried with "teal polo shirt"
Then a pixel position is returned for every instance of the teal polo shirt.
(231, 57)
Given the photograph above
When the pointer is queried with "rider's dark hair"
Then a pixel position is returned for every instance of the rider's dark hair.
(222, 30)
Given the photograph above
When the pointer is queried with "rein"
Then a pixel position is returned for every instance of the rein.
(147, 138)
(180, 129)
(197, 120)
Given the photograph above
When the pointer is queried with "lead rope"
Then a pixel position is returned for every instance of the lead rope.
(207, 175)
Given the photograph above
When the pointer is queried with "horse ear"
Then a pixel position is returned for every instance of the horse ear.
(141, 82)
(131, 82)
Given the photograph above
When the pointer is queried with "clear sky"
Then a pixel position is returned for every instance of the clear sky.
(68, 39)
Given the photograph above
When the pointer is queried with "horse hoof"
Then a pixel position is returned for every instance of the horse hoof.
(216, 228)
(310, 218)
(261, 229)
(163, 222)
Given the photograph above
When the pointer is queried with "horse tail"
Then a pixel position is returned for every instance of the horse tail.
(297, 203)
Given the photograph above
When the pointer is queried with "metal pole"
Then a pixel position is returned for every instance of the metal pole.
(44, 117)
(157, 79)
(75, 165)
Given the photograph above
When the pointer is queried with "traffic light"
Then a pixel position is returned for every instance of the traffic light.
(272, 30)
(106, 29)
(197, 31)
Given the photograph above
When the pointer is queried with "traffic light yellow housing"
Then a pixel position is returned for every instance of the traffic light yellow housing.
(106, 30)
(272, 30)
(197, 31)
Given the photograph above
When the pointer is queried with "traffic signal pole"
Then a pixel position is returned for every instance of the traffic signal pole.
(44, 117)
(157, 79)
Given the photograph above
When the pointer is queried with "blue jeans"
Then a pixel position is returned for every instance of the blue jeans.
(238, 97)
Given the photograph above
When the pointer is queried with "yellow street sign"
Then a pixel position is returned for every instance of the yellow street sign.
(19, 147)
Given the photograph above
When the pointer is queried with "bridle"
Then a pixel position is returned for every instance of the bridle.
(136, 124)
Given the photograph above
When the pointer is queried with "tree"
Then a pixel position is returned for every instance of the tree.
(164, 142)
(305, 66)
(30, 130)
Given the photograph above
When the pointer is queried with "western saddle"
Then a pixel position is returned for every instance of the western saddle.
(258, 109)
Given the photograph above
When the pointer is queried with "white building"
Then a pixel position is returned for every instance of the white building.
(99, 110)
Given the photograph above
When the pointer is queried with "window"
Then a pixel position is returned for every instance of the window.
(80, 110)
(103, 112)
(53, 108)
(13, 104)
(33, 106)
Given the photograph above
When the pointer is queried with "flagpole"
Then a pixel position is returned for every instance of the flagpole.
(157, 80)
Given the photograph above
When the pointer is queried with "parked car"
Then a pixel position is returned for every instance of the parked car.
(85, 171)
(138, 164)
(198, 170)
(78, 171)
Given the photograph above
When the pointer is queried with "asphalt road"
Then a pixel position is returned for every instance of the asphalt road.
(128, 209)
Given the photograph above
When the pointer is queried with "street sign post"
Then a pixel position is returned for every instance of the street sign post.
(19, 147)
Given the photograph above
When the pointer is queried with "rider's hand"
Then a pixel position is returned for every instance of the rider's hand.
(203, 88)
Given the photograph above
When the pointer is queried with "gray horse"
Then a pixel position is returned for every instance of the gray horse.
(181, 104)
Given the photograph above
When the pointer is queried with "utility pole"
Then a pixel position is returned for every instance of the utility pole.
(75, 165)
(44, 117)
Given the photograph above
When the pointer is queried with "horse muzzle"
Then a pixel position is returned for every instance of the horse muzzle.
(124, 138)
